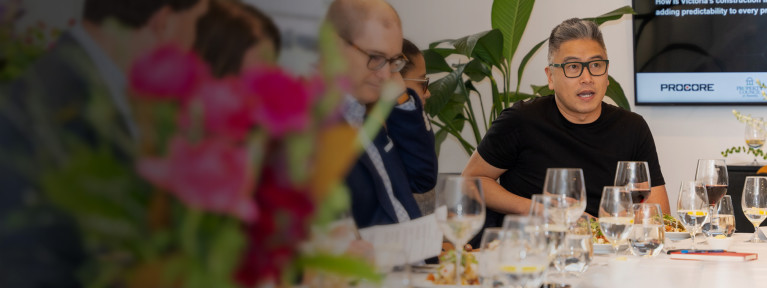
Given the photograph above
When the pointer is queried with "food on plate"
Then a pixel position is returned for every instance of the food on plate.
(596, 234)
(445, 275)
(672, 225)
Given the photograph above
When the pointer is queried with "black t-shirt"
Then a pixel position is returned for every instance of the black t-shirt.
(531, 136)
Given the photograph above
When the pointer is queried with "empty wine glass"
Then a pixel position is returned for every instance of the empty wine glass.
(755, 135)
(615, 215)
(524, 256)
(754, 202)
(723, 222)
(465, 202)
(635, 175)
(692, 207)
(647, 236)
(569, 183)
(712, 173)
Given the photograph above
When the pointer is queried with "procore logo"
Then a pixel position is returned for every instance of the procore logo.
(676, 87)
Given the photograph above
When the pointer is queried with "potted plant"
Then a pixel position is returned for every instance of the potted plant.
(453, 106)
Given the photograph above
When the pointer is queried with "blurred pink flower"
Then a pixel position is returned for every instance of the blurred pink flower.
(167, 73)
(212, 175)
(228, 111)
(284, 102)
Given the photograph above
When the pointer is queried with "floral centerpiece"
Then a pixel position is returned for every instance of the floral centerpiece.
(224, 182)
(748, 120)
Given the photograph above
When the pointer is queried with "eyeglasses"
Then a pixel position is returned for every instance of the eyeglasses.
(575, 69)
(424, 82)
(378, 61)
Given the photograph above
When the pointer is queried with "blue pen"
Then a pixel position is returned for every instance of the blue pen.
(701, 251)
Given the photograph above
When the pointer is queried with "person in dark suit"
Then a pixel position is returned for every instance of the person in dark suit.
(400, 160)
(73, 94)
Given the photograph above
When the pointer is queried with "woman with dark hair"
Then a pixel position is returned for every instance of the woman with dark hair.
(234, 36)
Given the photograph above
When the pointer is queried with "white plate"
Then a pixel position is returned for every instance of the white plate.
(676, 236)
(607, 248)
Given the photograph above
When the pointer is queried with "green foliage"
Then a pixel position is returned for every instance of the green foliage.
(746, 150)
(454, 96)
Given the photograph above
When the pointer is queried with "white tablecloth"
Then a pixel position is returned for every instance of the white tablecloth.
(661, 271)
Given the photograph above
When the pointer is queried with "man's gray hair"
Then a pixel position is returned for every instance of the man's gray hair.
(573, 29)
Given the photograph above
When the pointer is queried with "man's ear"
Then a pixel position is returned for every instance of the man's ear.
(549, 77)
(159, 22)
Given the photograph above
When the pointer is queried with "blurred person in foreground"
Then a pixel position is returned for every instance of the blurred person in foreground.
(53, 105)
(400, 160)
(572, 128)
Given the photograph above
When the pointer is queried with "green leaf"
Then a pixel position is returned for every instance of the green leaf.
(542, 90)
(489, 48)
(510, 17)
(465, 45)
(612, 15)
(443, 90)
(615, 92)
(340, 265)
(439, 137)
(225, 252)
(300, 148)
(477, 70)
(526, 59)
(435, 63)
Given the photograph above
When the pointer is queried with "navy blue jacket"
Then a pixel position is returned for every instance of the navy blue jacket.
(411, 164)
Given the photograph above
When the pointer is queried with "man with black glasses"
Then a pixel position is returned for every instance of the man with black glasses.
(400, 160)
(572, 128)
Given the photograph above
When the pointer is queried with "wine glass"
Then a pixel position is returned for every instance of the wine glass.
(569, 183)
(647, 236)
(524, 256)
(465, 202)
(692, 207)
(712, 173)
(755, 135)
(489, 249)
(635, 175)
(615, 215)
(754, 202)
(723, 222)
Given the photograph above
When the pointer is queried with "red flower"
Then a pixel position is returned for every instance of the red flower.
(212, 175)
(275, 237)
(167, 73)
(283, 102)
(227, 109)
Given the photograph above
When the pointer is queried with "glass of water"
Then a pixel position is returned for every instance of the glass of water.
(616, 215)
(524, 256)
(647, 235)
(723, 222)
(489, 251)
(575, 255)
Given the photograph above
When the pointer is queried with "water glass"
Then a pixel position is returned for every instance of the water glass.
(552, 209)
(489, 249)
(524, 255)
(723, 220)
(569, 183)
(575, 255)
(648, 233)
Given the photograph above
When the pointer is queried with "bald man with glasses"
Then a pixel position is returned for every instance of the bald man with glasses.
(400, 160)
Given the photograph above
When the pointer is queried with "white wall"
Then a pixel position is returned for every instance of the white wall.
(682, 134)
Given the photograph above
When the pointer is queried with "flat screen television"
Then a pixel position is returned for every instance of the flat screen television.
(700, 52)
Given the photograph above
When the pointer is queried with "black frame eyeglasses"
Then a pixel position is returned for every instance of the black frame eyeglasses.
(424, 82)
(569, 68)
(376, 62)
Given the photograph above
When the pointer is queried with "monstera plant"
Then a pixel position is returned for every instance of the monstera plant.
(455, 96)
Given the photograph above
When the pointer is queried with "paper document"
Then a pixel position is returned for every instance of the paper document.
(419, 238)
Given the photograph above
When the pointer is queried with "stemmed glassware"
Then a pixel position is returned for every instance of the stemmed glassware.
(712, 173)
(465, 202)
(692, 207)
(616, 215)
(755, 135)
(569, 183)
(635, 175)
(524, 256)
(647, 236)
(754, 202)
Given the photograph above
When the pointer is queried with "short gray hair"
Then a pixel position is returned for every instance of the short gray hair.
(573, 29)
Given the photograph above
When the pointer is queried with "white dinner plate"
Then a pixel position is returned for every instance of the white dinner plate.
(676, 236)
(607, 248)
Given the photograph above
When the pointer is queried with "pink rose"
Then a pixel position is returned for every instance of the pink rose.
(226, 109)
(212, 175)
(283, 101)
(167, 73)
